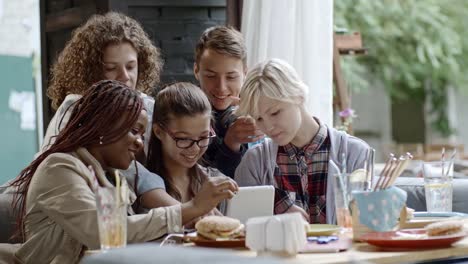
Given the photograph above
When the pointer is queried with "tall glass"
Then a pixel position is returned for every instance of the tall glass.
(112, 218)
(438, 186)
(342, 200)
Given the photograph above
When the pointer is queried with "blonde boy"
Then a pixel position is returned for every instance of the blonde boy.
(296, 157)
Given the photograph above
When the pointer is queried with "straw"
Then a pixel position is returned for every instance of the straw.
(370, 168)
(341, 181)
(451, 162)
(117, 186)
(395, 163)
(401, 168)
(443, 160)
(366, 168)
(384, 172)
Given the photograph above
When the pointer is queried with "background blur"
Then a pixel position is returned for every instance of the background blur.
(408, 91)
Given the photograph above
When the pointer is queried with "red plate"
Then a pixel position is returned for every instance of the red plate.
(204, 242)
(391, 239)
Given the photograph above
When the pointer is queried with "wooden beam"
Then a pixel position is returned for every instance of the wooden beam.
(340, 84)
(362, 51)
(104, 6)
(46, 108)
(341, 97)
(69, 18)
(179, 3)
(234, 13)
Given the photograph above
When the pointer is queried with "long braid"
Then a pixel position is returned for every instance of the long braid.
(93, 116)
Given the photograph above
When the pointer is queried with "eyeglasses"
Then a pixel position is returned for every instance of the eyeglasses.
(185, 143)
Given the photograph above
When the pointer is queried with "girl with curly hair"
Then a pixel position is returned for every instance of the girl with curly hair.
(85, 58)
(110, 46)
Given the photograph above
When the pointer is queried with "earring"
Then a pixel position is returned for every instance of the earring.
(100, 140)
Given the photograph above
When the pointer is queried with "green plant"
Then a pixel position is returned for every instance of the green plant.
(412, 45)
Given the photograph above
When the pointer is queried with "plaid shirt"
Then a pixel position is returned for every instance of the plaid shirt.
(301, 176)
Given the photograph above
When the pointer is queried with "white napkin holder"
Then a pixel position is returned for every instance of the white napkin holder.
(280, 235)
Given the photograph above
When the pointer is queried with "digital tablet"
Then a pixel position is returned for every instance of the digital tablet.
(251, 202)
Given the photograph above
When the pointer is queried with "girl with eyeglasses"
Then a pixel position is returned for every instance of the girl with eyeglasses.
(55, 199)
(181, 135)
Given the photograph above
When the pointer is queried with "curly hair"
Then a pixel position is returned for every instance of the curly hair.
(80, 63)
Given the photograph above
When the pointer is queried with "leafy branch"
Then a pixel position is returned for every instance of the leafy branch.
(411, 44)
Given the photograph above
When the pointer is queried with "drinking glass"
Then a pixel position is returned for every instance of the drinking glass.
(112, 218)
(438, 186)
(342, 199)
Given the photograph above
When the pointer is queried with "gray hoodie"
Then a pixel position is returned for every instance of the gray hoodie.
(258, 164)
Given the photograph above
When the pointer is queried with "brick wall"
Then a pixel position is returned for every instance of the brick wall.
(175, 28)
(173, 25)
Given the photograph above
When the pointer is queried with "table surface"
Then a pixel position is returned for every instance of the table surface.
(364, 252)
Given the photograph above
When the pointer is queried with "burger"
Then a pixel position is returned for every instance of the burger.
(220, 228)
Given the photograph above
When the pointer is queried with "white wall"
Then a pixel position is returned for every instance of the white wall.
(19, 27)
(20, 36)
(301, 33)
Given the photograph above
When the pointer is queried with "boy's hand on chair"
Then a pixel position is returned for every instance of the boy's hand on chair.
(241, 131)
(296, 209)
(214, 212)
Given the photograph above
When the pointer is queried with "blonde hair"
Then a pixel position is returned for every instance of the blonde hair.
(224, 40)
(275, 79)
(80, 64)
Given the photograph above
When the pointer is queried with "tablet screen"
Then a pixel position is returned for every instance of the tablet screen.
(253, 201)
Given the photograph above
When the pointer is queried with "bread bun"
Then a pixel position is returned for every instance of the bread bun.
(409, 213)
(214, 227)
(444, 228)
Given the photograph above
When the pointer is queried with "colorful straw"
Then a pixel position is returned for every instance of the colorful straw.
(117, 186)
(451, 162)
(443, 160)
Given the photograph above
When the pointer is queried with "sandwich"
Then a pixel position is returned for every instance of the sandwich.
(444, 228)
(220, 228)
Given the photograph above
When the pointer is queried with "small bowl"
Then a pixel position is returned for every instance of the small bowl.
(322, 229)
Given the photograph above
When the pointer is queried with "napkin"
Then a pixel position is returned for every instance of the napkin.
(380, 210)
(279, 233)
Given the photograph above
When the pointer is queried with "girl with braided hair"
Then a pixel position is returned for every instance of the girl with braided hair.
(110, 46)
(55, 200)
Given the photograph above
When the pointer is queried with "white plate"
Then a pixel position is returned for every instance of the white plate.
(438, 214)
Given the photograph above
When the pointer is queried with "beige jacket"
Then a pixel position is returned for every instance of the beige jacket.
(61, 218)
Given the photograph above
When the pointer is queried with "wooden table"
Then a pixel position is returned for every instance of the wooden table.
(359, 253)
(364, 252)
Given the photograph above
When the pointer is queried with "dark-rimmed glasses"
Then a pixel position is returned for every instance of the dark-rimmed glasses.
(185, 143)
